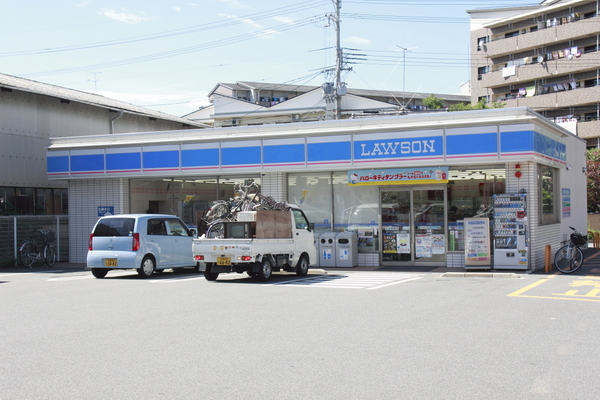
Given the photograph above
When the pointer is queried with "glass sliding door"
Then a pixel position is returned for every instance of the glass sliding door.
(413, 226)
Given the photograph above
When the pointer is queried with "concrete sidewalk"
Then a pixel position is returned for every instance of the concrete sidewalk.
(591, 266)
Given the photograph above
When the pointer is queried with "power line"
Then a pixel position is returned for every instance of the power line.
(306, 5)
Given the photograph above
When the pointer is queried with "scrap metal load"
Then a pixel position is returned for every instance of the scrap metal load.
(247, 198)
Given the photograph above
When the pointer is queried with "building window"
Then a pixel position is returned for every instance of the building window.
(480, 42)
(481, 71)
(548, 194)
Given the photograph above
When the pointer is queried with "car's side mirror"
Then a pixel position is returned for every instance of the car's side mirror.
(193, 233)
(311, 226)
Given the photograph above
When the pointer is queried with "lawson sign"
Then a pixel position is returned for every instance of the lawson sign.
(398, 176)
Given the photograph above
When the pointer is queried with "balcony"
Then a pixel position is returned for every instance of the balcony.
(588, 130)
(569, 98)
(532, 72)
(543, 37)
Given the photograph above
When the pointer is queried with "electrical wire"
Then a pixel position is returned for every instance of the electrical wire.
(306, 5)
(181, 51)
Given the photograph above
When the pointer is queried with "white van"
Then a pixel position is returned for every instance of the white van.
(144, 242)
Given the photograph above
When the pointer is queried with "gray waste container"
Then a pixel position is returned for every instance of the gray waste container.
(346, 249)
(327, 249)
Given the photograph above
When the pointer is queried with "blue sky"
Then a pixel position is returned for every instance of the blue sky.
(168, 55)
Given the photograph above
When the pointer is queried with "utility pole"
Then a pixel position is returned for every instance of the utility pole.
(338, 59)
(333, 93)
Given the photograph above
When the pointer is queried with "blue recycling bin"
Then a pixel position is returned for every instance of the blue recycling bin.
(327, 249)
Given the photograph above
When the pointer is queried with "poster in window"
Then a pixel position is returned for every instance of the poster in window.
(477, 242)
(438, 245)
(389, 243)
(423, 245)
(403, 242)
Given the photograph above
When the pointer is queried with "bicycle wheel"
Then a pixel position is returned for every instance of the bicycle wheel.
(566, 264)
(49, 255)
(27, 254)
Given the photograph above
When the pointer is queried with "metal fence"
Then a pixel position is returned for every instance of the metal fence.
(16, 229)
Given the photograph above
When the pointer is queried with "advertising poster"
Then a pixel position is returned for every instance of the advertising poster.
(423, 245)
(389, 243)
(477, 242)
(438, 246)
(403, 241)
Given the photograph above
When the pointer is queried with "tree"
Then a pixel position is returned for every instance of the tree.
(593, 180)
(481, 105)
(433, 102)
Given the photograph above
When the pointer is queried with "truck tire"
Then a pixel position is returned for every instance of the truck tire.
(208, 274)
(302, 266)
(265, 271)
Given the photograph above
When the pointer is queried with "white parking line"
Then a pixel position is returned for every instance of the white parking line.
(178, 279)
(351, 281)
(28, 273)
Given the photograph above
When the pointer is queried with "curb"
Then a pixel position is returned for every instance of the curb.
(479, 275)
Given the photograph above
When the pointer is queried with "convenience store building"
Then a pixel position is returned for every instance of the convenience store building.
(406, 184)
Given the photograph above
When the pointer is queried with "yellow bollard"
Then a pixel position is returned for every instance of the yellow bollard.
(596, 239)
(548, 259)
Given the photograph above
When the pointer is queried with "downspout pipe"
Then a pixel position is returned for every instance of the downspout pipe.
(112, 121)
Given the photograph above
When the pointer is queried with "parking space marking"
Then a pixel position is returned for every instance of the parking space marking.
(590, 294)
(351, 281)
(29, 273)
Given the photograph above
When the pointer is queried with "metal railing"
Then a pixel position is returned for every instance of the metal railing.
(16, 229)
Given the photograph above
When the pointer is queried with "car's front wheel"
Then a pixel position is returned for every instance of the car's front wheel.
(147, 267)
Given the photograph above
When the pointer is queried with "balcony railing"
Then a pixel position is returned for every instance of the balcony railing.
(542, 37)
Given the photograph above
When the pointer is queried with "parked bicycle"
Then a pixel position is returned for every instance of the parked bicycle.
(39, 246)
(569, 258)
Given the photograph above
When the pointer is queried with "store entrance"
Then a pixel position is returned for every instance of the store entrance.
(413, 226)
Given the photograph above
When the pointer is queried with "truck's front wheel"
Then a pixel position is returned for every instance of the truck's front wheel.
(265, 271)
(302, 266)
(208, 274)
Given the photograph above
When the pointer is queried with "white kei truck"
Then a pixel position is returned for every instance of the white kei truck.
(259, 243)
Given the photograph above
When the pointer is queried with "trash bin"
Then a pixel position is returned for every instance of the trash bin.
(327, 249)
(346, 249)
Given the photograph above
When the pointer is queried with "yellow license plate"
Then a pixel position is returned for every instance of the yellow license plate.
(111, 262)
(223, 260)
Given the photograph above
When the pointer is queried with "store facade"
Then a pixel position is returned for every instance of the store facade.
(406, 185)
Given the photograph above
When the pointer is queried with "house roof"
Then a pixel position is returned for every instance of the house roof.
(26, 85)
(241, 85)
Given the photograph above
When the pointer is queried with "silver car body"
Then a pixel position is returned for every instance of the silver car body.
(165, 238)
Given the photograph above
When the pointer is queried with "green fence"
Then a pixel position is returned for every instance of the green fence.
(14, 230)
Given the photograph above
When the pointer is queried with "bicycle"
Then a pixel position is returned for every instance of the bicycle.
(569, 258)
(39, 246)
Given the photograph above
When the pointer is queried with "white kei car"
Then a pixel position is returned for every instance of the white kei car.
(145, 242)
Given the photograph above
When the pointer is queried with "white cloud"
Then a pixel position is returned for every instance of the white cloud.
(284, 20)
(128, 18)
(265, 34)
(234, 3)
(177, 8)
(358, 40)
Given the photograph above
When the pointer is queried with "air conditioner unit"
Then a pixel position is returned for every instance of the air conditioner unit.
(235, 121)
(296, 118)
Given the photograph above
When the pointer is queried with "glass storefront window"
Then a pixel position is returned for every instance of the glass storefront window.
(470, 191)
(188, 198)
(548, 194)
(357, 209)
(313, 194)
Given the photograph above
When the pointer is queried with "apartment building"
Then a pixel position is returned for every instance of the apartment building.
(545, 57)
